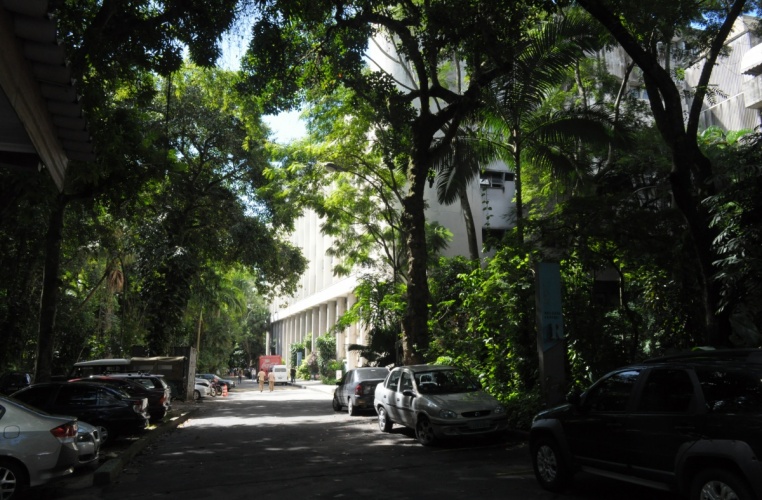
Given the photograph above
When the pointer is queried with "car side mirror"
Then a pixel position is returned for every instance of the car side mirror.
(409, 393)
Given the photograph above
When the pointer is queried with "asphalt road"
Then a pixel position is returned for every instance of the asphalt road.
(291, 444)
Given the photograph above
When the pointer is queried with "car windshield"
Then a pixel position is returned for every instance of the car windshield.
(444, 382)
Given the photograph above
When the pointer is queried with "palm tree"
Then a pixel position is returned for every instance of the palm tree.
(518, 119)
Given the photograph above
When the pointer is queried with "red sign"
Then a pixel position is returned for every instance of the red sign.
(267, 362)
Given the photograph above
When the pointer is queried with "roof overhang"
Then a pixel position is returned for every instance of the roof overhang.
(41, 121)
(751, 62)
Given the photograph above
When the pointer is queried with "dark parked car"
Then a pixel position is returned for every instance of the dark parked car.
(221, 381)
(11, 382)
(690, 423)
(356, 389)
(437, 402)
(154, 382)
(158, 399)
(110, 409)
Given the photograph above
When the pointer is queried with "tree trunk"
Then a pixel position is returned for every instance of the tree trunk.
(468, 218)
(415, 332)
(49, 299)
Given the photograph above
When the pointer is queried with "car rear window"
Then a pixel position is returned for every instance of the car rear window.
(730, 391)
(374, 373)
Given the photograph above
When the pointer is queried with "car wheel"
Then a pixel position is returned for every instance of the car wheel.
(719, 484)
(424, 432)
(384, 423)
(196, 395)
(351, 408)
(12, 480)
(105, 435)
(336, 404)
(549, 468)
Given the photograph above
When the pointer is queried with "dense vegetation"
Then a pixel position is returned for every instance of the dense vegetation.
(177, 235)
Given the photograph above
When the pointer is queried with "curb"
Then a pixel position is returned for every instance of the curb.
(110, 470)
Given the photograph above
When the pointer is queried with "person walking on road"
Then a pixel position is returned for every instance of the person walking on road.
(293, 374)
(261, 375)
(271, 379)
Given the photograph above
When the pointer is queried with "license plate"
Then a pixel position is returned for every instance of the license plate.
(479, 424)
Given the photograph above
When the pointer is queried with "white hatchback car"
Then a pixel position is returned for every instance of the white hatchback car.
(202, 389)
(437, 402)
(35, 447)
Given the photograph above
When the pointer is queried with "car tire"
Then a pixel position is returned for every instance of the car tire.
(384, 423)
(719, 483)
(424, 431)
(13, 480)
(196, 395)
(105, 434)
(549, 468)
(336, 404)
(351, 408)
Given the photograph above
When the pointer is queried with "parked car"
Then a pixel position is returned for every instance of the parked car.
(437, 402)
(158, 399)
(688, 423)
(281, 374)
(35, 447)
(110, 409)
(219, 380)
(151, 381)
(356, 389)
(11, 382)
(88, 443)
(202, 389)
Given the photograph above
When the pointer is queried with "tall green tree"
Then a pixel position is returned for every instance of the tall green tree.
(641, 29)
(208, 210)
(525, 123)
(299, 51)
(111, 42)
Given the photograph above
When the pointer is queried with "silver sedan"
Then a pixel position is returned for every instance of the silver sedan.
(34, 447)
(437, 402)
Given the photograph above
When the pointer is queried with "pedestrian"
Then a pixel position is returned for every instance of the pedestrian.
(293, 374)
(240, 377)
(271, 379)
(261, 375)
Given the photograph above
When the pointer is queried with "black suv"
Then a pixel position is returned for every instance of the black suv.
(689, 423)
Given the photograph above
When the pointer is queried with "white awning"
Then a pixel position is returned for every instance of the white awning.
(751, 63)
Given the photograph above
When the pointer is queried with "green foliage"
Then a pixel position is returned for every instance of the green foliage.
(485, 321)
(304, 371)
(294, 350)
(325, 347)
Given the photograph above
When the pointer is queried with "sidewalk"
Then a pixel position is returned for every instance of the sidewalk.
(314, 385)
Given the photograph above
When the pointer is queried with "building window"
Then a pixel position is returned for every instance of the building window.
(494, 179)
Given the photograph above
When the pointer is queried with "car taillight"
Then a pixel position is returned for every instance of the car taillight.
(358, 390)
(139, 405)
(65, 432)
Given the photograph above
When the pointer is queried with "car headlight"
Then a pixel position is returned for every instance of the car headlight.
(499, 410)
(447, 414)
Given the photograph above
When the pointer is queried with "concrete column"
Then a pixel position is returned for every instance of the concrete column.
(341, 337)
(322, 319)
(314, 325)
(351, 338)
